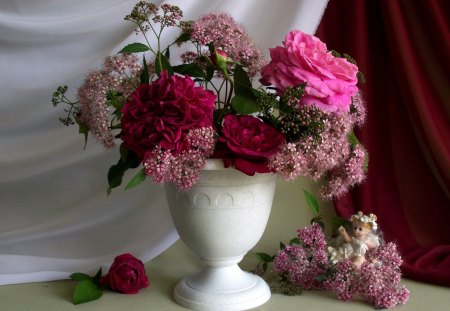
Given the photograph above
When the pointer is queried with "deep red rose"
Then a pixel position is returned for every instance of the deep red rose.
(161, 113)
(251, 142)
(126, 275)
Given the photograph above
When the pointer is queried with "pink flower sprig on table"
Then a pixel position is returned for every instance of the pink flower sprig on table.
(302, 263)
(305, 265)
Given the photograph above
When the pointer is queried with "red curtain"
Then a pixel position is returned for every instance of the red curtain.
(403, 48)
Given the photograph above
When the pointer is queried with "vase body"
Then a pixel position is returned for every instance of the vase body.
(220, 219)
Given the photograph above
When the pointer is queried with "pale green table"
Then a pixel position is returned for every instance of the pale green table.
(165, 270)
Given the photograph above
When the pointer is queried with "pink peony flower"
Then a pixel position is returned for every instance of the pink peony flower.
(251, 142)
(331, 81)
(162, 113)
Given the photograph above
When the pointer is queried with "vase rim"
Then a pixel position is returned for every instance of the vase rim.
(214, 165)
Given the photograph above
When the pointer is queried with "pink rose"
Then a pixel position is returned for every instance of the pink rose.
(162, 113)
(250, 142)
(126, 275)
(331, 81)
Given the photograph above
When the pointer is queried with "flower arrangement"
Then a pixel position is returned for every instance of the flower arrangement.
(171, 115)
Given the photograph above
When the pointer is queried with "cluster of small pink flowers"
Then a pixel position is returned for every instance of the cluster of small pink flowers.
(188, 57)
(343, 283)
(182, 169)
(119, 73)
(301, 264)
(348, 174)
(171, 14)
(326, 151)
(377, 281)
(223, 32)
(313, 156)
(358, 110)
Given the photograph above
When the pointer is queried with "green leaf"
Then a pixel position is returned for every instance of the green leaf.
(352, 139)
(184, 37)
(318, 220)
(135, 48)
(209, 73)
(282, 245)
(321, 278)
(128, 159)
(193, 70)
(162, 63)
(264, 266)
(83, 129)
(244, 104)
(338, 221)
(97, 276)
(145, 75)
(115, 175)
(294, 241)
(264, 257)
(86, 291)
(242, 83)
(366, 163)
(312, 202)
(137, 179)
(123, 153)
(78, 276)
(167, 53)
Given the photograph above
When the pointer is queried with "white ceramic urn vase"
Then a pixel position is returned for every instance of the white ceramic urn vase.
(220, 219)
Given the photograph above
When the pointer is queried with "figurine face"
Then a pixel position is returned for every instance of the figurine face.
(359, 230)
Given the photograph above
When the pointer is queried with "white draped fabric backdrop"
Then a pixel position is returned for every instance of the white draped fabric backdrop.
(55, 216)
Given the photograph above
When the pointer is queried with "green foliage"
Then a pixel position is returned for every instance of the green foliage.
(265, 257)
(78, 276)
(85, 291)
(115, 174)
(312, 202)
(192, 70)
(336, 222)
(135, 48)
(144, 77)
(352, 139)
(184, 37)
(87, 288)
(136, 180)
(162, 63)
(318, 220)
(244, 101)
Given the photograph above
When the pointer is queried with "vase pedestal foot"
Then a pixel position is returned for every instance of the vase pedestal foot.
(222, 289)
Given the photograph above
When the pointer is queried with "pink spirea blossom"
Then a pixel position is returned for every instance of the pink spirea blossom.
(223, 32)
(330, 81)
(377, 281)
(182, 169)
(119, 73)
(311, 156)
(380, 278)
(303, 263)
(351, 172)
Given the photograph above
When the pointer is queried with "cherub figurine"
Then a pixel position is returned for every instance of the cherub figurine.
(362, 238)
